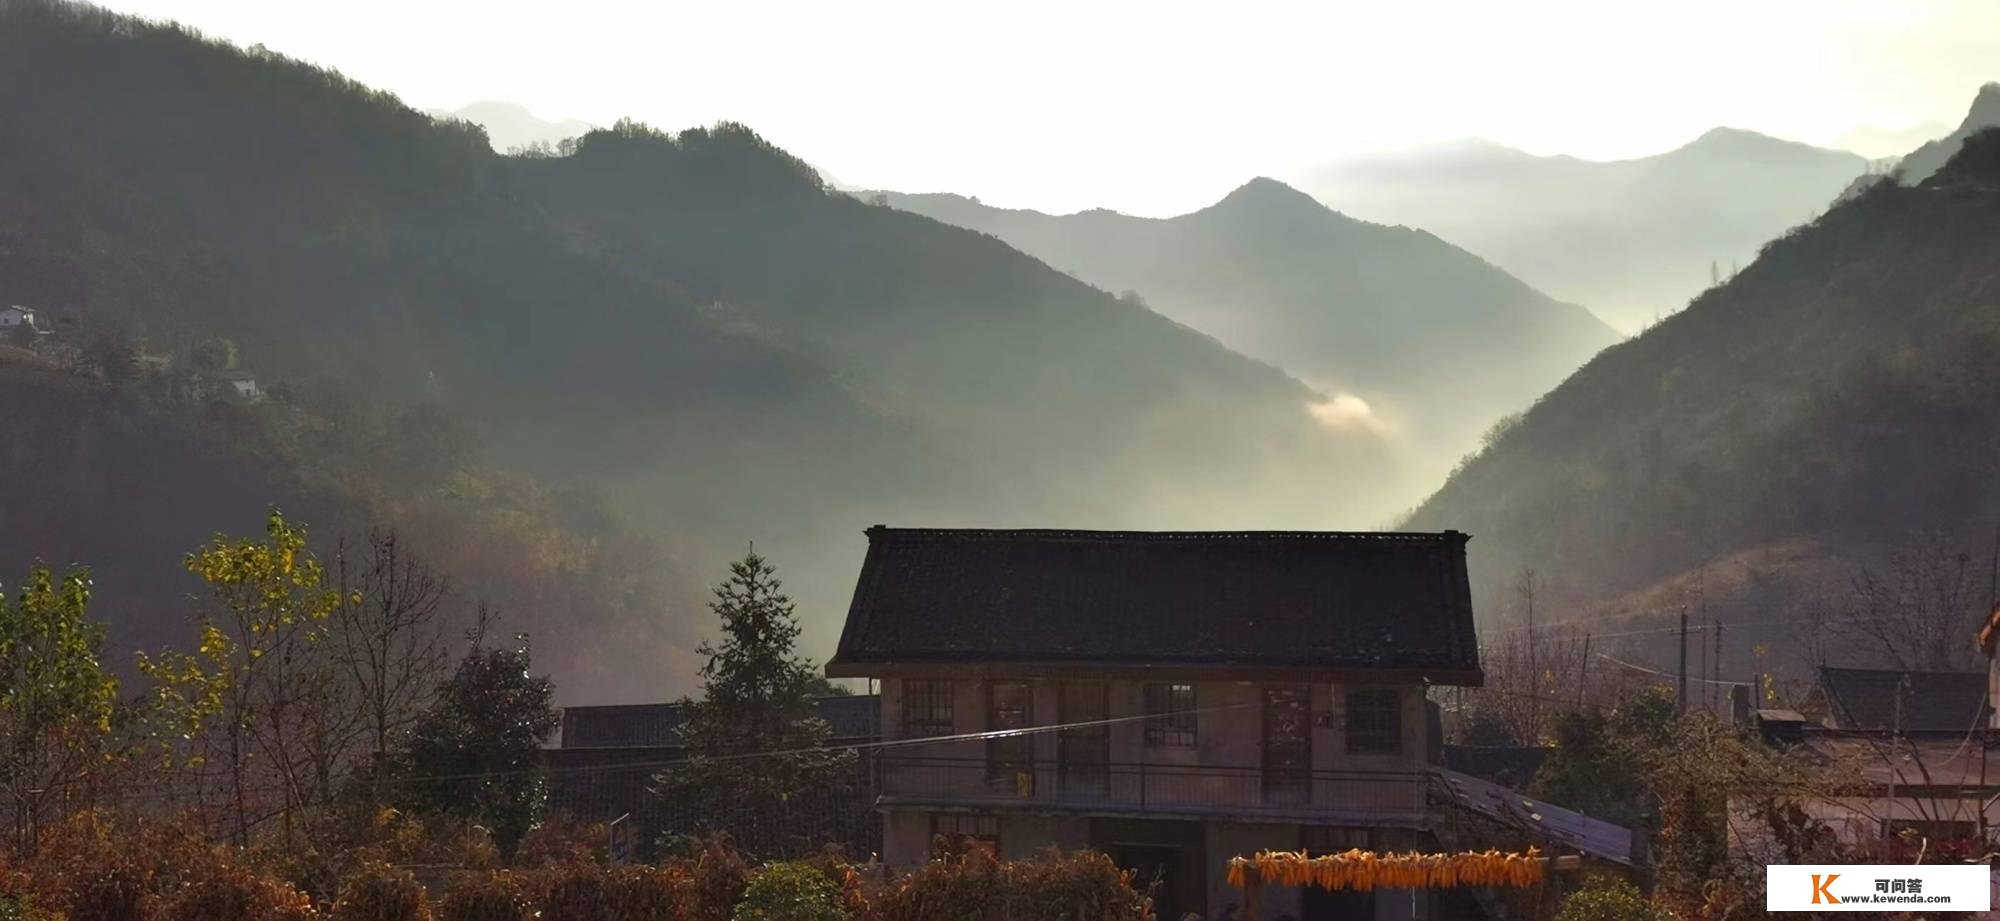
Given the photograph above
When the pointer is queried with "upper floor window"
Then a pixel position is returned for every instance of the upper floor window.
(926, 707)
(1375, 720)
(1170, 715)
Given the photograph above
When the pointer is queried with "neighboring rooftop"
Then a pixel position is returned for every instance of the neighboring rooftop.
(658, 725)
(1866, 698)
(1561, 828)
(1511, 766)
(1319, 603)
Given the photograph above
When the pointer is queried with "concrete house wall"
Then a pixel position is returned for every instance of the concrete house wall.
(1229, 735)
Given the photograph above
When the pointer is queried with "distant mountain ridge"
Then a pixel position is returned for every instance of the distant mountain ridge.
(1439, 342)
(510, 126)
(1633, 239)
(690, 325)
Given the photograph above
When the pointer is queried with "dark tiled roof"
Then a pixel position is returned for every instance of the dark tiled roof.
(1865, 698)
(1561, 828)
(1330, 601)
(642, 725)
(1508, 765)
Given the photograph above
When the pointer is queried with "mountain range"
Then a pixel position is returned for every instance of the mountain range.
(1426, 340)
(1633, 239)
(690, 326)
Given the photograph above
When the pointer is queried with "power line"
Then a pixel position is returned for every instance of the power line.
(749, 756)
(1654, 671)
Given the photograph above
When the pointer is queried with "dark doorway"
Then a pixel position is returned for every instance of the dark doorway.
(1010, 760)
(1287, 744)
(1167, 859)
(1083, 746)
(1152, 869)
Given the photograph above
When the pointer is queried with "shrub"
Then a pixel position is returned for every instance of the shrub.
(1607, 898)
(1080, 886)
(114, 893)
(234, 893)
(477, 896)
(848, 880)
(19, 907)
(340, 838)
(576, 892)
(382, 893)
(790, 892)
(716, 876)
(561, 841)
(650, 894)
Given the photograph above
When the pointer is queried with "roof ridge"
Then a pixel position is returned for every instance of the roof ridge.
(1227, 534)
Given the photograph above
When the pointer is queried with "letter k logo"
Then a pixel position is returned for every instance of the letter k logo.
(1820, 888)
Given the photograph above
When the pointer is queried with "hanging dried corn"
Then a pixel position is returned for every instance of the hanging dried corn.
(1366, 870)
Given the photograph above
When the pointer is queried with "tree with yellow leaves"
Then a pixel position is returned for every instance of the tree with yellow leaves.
(260, 693)
(56, 699)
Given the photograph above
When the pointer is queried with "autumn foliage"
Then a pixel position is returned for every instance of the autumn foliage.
(96, 867)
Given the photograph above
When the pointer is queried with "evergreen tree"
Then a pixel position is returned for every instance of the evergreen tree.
(756, 767)
(476, 750)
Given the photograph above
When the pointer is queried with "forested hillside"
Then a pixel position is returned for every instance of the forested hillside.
(1841, 388)
(129, 478)
(692, 326)
(1436, 341)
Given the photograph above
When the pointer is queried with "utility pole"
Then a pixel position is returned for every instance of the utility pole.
(1715, 667)
(1895, 743)
(1527, 588)
(1681, 691)
(1583, 674)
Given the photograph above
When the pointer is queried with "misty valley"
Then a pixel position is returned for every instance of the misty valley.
(451, 507)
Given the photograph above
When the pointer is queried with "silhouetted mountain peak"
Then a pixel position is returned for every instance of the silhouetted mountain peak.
(1738, 142)
(1985, 111)
(1264, 195)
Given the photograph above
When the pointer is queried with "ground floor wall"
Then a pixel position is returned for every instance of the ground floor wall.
(1186, 860)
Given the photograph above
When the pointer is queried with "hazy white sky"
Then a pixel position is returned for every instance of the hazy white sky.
(1154, 107)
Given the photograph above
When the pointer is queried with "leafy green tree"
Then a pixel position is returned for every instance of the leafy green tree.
(756, 766)
(56, 698)
(214, 355)
(476, 750)
(114, 357)
(1608, 898)
(1592, 772)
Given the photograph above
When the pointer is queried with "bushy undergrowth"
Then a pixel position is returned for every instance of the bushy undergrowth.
(95, 868)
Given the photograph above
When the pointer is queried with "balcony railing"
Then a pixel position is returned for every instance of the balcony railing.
(1148, 787)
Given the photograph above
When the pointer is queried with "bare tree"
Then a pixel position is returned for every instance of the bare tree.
(1917, 610)
(389, 636)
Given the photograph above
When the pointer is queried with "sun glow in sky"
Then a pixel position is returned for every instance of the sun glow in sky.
(1155, 107)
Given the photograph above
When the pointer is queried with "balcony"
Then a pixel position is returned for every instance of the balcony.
(1154, 790)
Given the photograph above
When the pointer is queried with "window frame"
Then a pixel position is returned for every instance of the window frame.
(1374, 724)
(938, 696)
(1169, 725)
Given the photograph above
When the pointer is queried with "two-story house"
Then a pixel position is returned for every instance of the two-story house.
(1170, 698)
